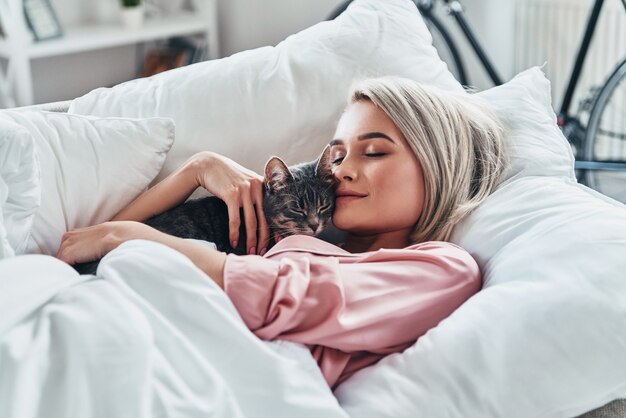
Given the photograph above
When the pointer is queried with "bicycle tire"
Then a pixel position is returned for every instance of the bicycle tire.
(339, 10)
(605, 137)
(446, 48)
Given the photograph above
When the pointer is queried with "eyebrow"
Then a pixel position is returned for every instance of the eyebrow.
(363, 137)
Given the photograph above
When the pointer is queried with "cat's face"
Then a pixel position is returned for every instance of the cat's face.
(299, 199)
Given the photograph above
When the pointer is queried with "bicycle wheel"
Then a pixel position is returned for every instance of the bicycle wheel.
(446, 48)
(339, 9)
(605, 139)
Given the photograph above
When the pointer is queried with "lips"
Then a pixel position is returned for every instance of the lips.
(349, 193)
(344, 196)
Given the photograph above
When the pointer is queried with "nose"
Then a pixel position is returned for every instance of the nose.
(345, 171)
(313, 226)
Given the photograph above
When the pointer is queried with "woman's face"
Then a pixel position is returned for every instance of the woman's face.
(381, 185)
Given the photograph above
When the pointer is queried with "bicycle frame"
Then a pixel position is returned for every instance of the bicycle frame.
(592, 22)
(564, 117)
(580, 60)
(455, 8)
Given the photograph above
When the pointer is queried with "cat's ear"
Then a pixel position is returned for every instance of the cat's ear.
(324, 167)
(277, 174)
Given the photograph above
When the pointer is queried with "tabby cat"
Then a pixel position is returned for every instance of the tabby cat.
(296, 200)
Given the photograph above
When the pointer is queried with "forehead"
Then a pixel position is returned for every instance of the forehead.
(362, 117)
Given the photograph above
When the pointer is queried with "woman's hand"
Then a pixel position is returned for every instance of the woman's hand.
(94, 242)
(239, 188)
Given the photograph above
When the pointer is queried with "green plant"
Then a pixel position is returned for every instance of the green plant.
(131, 3)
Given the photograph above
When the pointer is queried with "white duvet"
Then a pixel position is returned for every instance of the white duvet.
(151, 336)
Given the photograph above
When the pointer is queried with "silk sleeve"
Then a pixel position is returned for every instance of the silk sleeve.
(373, 302)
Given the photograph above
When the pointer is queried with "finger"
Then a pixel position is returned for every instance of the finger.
(251, 223)
(66, 235)
(233, 222)
(263, 230)
(62, 255)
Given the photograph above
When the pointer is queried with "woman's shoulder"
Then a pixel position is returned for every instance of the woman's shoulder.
(443, 248)
(453, 255)
(306, 244)
(444, 254)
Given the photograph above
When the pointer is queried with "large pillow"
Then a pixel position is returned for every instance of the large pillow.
(19, 187)
(90, 168)
(536, 144)
(546, 336)
(5, 248)
(283, 100)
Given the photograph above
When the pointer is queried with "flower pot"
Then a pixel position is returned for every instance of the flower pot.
(132, 17)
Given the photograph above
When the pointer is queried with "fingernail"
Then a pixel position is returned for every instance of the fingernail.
(251, 250)
(263, 251)
(234, 243)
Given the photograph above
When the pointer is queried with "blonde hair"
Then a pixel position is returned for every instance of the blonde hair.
(457, 140)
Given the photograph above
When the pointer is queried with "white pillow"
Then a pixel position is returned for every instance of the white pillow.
(19, 188)
(283, 100)
(5, 248)
(536, 144)
(90, 168)
(546, 335)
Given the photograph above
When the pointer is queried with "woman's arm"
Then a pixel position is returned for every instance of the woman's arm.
(170, 192)
(237, 186)
(209, 261)
(370, 301)
(90, 243)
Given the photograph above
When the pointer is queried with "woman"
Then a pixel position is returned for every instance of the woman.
(410, 162)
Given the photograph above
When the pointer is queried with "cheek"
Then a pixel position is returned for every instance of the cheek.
(401, 190)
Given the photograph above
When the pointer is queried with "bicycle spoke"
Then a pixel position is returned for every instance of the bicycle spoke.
(605, 141)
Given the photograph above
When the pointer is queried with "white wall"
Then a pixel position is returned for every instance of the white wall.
(246, 24)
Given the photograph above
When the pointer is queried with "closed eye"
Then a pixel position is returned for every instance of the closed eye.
(376, 154)
(337, 160)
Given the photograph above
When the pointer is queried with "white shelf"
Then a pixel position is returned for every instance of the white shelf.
(20, 49)
(100, 36)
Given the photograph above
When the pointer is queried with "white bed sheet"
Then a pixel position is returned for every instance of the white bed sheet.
(151, 336)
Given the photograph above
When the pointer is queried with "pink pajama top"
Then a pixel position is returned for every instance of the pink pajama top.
(350, 310)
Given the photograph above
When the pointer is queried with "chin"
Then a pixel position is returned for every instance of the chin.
(353, 220)
(352, 228)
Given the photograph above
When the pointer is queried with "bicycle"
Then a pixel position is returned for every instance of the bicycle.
(444, 42)
(600, 145)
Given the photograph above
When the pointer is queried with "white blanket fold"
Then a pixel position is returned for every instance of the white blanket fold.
(151, 336)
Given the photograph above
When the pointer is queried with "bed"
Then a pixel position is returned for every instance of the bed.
(150, 335)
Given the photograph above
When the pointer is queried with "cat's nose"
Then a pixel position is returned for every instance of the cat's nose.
(313, 226)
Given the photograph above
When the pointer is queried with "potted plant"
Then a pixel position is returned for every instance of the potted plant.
(132, 13)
